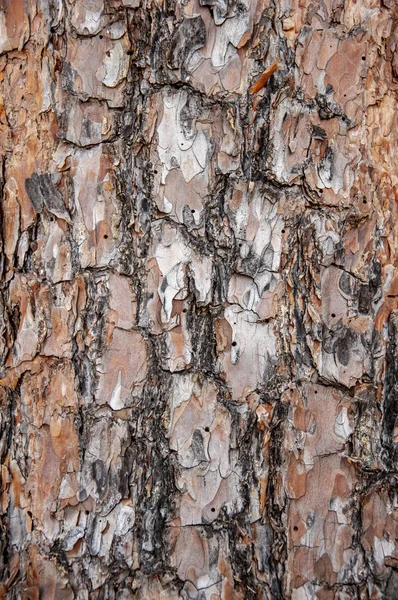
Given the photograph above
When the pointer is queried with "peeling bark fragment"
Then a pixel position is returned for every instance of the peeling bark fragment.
(97, 210)
(321, 482)
(247, 351)
(88, 17)
(122, 368)
(88, 123)
(95, 66)
(42, 191)
(188, 37)
(201, 438)
(262, 80)
(14, 25)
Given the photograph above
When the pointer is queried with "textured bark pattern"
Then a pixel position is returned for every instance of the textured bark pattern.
(198, 307)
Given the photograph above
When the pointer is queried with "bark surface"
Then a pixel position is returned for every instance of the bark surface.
(198, 299)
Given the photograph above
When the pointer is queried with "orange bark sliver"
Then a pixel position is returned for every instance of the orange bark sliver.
(262, 80)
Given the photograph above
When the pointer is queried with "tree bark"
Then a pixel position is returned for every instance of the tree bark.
(198, 302)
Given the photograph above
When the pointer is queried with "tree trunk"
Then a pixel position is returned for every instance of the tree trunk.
(199, 320)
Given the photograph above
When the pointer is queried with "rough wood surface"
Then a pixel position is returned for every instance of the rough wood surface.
(198, 300)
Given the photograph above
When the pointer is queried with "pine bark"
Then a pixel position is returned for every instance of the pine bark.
(198, 299)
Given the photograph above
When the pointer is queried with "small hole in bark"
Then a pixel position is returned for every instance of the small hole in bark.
(193, 210)
(51, 218)
(321, 191)
(363, 57)
(184, 310)
(129, 53)
(213, 510)
(315, 391)
(105, 237)
(333, 315)
(364, 201)
(100, 37)
(207, 429)
(283, 231)
(86, 512)
(155, 172)
(295, 528)
(233, 343)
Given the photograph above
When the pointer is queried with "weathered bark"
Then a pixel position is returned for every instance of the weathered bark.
(199, 321)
